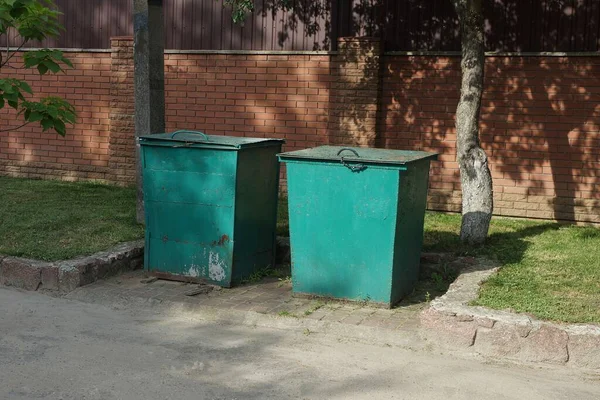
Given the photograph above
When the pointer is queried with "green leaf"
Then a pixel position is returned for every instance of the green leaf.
(25, 86)
(66, 61)
(50, 59)
(34, 116)
(60, 127)
(47, 123)
(35, 20)
(42, 68)
(12, 99)
(18, 12)
(52, 66)
(51, 112)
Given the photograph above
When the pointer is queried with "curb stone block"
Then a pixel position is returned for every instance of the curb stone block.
(21, 273)
(66, 276)
(454, 333)
(584, 346)
(49, 278)
(547, 344)
(542, 343)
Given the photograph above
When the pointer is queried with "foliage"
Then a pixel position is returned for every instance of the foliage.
(240, 8)
(33, 20)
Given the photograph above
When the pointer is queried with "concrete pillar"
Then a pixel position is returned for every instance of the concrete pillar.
(149, 87)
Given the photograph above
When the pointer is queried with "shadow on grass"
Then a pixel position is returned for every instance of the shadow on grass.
(505, 244)
(428, 289)
(506, 247)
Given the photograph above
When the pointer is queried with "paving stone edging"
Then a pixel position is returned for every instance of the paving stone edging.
(450, 322)
(65, 276)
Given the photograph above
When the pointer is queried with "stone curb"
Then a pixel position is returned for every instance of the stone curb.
(451, 323)
(66, 276)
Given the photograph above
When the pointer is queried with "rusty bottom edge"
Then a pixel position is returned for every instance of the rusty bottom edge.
(182, 278)
(373, 304)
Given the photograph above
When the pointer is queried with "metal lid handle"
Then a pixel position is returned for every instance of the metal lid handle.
(347, 149)
(355, 167)
(194, 132)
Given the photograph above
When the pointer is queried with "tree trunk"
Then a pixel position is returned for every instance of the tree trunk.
(475, 176)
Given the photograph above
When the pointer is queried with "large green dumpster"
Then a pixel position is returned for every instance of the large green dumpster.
(211, 205)
(356, 221)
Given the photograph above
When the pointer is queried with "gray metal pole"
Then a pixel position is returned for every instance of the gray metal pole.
(149, 87)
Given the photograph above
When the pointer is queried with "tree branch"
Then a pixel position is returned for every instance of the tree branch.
(14, 129)
(9, 56)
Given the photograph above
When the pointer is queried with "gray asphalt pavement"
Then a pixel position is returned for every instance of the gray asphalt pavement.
(63, 349)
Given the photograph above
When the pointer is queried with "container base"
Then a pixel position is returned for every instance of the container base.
(369, 303)
(182, 278)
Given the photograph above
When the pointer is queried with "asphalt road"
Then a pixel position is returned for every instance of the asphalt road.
(64, 349)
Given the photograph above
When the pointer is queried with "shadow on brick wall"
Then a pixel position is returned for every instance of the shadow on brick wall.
(550, 109)
(418, 103)
(540, 124)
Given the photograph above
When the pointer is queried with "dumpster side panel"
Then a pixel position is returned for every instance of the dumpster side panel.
(409, 228)
(256, 210)
(342, 226)
(190, 212)
(188, 159)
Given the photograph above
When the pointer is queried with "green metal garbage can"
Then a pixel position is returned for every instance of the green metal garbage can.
(356, 221)
(210, 205)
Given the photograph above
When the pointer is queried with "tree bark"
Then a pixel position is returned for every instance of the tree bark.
(475, 176)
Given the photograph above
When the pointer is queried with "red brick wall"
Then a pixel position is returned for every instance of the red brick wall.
(540, 117)
(83, 153)
(283, 96)
(121, 168)
(540, 127)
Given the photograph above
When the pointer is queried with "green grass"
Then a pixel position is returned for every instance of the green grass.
(51, 220)
(549, 270)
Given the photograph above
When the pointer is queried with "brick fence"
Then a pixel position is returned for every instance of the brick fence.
(540, 116)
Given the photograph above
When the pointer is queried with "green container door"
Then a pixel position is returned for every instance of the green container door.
(211, 205)
(356, 221)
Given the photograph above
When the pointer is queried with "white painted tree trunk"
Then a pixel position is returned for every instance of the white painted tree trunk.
(475, 176)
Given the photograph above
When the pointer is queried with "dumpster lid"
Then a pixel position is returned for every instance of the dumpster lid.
(359, 154)
(199, 139)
